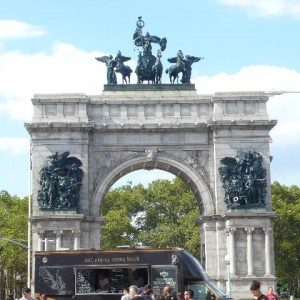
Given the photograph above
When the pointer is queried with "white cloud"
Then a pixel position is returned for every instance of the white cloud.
(66, 69)
(12, 29)
(267, 8)
(15, 146)
(284, 108)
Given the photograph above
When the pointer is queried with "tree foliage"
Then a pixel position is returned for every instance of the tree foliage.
(162, 215)
(286, 203)
(13, 258)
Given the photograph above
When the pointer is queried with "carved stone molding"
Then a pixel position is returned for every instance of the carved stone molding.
(58, 232)
(106, 161)
(76, 233)
(230, 230)
(195, 159)
(249, 230)
(268, 229)
(40, 233)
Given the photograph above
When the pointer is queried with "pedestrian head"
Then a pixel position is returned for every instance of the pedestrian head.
(167, 291)
(188, 294)
(255, 288)
(26, 292)
(133, 290)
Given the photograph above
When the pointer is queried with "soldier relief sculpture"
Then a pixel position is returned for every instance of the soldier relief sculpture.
(60, 180)
(149, 68)
(244, 180)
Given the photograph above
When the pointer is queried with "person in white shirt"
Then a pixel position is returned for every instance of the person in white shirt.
(126, 295)
(26, 294)
(103, 282)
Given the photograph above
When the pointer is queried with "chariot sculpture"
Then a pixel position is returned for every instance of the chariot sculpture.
(149, 68)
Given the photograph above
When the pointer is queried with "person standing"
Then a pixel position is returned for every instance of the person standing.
(26, 294)
(133, 292)
(180, 296)
(137, 279)
(188, 294)
(167, 292)
(126, 295)
(9, 297)
(255, 291)
(103, 282)
(148, 295)
(271, 295)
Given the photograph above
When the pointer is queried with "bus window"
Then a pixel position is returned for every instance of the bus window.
(138, 277)
(202, 292)
(109, 281)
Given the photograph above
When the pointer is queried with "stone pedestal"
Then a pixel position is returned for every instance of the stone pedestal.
(248, 241)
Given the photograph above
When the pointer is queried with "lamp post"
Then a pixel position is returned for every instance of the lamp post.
(227, 259)
(278, 93)
(16, 243)
(23, 246)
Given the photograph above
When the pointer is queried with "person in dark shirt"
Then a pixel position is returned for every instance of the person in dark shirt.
(180, 296)
(137, 279)
(148, 294)
(188, 294)
(167, 292)
(255, 291)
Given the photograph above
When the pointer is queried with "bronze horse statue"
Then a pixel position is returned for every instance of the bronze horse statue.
(174, 70)
(124, 70)
(183, 65)
(157, 68)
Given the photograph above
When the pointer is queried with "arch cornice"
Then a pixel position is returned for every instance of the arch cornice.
(197, 182)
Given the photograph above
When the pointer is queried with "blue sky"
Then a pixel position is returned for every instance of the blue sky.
(49, 47)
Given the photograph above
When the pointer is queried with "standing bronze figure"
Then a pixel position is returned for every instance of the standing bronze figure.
(110, 64)
(146, 61)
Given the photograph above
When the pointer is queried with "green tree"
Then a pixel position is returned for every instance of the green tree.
(286, 203)
(13, 258)
(162, 215)
(120, 207)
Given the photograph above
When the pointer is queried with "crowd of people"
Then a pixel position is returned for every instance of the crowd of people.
(26, 295)
(256, 292)
(135, 292)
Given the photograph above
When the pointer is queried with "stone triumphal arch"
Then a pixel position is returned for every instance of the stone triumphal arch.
(218, 144)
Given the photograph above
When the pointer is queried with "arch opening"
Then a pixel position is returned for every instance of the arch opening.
(191, 177)
(161, 214)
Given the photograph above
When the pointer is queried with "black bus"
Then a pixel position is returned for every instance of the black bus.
(103, 274)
